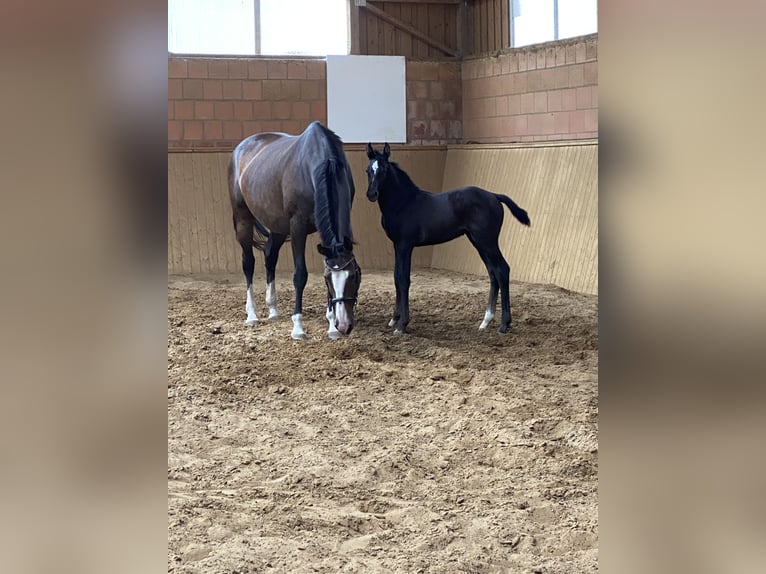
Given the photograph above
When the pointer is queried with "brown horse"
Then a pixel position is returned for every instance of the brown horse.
(285, 187)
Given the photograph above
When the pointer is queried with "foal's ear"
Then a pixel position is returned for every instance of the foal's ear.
(370, 151)
(323, 250)
(386, 150)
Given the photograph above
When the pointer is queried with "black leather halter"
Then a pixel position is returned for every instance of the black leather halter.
(329, 269)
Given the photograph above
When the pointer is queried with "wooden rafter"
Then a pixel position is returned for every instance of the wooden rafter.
(410, 30)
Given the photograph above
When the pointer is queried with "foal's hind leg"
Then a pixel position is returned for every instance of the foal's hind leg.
(494, 286)
(243, 224)
(271, 253)
(503, 274)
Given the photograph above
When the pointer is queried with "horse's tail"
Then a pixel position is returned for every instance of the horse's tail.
(517, 212)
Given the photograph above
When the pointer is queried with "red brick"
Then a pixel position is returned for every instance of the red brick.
(213, 130)
(192, 130)
(419, 90)
(171, 110)
(591, 120)
(257, 70)
(232, 130)
(535, 124)
(590, 73)
(548, 78)
(271, 90)
(232, 89)
(569, 99)
(501, 105)
(217, 68)
(251, 127)
(196, 68)
(448, 71)
(554, 101)
(446, 110)
(488, 107)
(291, 90)
(177, 68)
(296, 70)
(204, 110)
(577, 121)
(238, 69)
(506, 84)
(175, 89)
(301, 110)
(594, 96)
(520, 83)
(192, 89)
(212, 89)
(277, 69)
(175, 130)
(541, 102)
(292, 127)
(527, 103)
(224, 110)
(541, 59)
(243, 110)
(580, 52)
(262, 110)
(184, 110)
(514, 105)
(309, 90)
(319, 111)
(315, 70)
(550, 57)
(561, 77)
(271, 126)
(561, 122)
(281, 110)
(520, 125)
(535, 80)
(548, 124)
(583, 98)
(251, 90)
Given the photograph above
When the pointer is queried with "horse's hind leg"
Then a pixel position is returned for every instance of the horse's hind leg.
(243, 224)
(271, 253)
(494, 286)
(502, 274)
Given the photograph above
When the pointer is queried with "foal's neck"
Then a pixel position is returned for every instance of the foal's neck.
(399, 188)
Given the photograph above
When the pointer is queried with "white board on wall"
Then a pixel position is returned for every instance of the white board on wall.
(367, 98)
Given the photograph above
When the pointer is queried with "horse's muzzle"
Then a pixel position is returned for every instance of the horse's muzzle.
(345, 328)
(372, 195)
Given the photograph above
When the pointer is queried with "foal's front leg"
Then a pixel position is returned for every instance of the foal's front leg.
(402, 279)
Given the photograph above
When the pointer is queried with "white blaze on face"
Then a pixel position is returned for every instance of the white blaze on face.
(342, 320)
(374, 168)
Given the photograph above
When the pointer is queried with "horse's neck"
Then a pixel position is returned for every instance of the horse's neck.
(399, 190)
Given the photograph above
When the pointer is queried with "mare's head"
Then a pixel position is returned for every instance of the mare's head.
(342, 276)
(377, 170)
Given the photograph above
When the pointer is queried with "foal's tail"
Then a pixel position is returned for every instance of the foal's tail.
(517, 212)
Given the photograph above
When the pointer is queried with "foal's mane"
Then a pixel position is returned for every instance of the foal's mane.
(332, 202)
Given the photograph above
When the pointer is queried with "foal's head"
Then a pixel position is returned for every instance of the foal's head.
(342, 276)
(377, 169)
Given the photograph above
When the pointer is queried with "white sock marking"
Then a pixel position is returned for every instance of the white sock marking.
(488, 316)
(332, 332)
(271, 300)
(298, 332)
(339, 279)
(252, 318)
(391, 323)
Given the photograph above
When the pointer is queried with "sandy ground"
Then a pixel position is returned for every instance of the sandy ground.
(444, 450)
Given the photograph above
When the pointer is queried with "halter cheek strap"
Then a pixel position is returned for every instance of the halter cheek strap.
(332, 300)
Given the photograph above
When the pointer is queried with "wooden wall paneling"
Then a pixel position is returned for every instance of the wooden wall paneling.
(424, 50)
(406, 41)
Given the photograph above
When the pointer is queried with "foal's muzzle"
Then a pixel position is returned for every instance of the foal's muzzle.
(372, 195)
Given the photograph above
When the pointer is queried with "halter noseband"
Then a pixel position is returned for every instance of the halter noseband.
(330, 300)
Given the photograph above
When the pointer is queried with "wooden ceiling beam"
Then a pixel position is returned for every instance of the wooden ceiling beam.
(411, 30)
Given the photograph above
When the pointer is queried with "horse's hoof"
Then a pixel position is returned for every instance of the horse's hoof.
(391, 323)
(398, 332)
(334, 335)
(503, 328)
(273, 316)
(251, 322)
(299, 336)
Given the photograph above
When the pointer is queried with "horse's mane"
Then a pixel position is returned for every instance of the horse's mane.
(332, 202)
(403, 178)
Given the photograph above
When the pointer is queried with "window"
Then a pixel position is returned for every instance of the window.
(248, 27)
(535, 21)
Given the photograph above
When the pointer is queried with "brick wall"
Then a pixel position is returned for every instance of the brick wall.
(544, 92)
(215, 102)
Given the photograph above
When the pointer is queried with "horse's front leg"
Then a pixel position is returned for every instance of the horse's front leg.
(300, 277)
(397, 312)
(402, 279)
(332, 330)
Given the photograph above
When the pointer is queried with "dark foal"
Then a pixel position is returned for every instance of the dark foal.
(412, 217)
(286, 187)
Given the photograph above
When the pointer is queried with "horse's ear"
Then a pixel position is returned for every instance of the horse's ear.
(370, 151)
(386, 150)
(323, 250)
